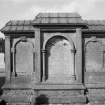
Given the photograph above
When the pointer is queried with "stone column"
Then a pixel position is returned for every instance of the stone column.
(37, 55)
(79, 54)
(33, 60)
(7, 57)
(43, 57)
(34, 70)
(73, 51)
(14, 64)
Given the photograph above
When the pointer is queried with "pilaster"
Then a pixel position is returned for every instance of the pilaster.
(79, 54)
(7, 57)
(37, 55)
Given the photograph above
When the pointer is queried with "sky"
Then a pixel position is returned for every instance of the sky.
(28, 9)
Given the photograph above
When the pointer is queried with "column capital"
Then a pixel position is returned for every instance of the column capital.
(13, 50)
(43, 51)
(73, 51)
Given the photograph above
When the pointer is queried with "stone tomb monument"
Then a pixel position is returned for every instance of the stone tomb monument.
(57, 58)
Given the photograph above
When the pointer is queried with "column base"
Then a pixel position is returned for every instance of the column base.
(73, 77)
(14, 74)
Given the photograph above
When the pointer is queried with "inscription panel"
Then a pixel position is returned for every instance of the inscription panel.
(95, 60)
(24, 58)
(59, 60)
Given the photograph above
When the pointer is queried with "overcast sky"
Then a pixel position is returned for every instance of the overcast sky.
(28, 9)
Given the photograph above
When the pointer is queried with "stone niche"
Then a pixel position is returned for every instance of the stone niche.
(59, 60)
(95, 59)
(24, 58)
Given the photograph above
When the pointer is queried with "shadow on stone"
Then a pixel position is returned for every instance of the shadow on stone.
(1, 92)
(3, 102)
(42, 99)
(2, 81)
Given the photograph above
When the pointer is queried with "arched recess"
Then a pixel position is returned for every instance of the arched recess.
(94, 56)
(59, 61)
(23, 62)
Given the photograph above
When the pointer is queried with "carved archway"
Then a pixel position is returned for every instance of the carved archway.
(94, 55)
(25, 44)
(58, 59)
(55, 35)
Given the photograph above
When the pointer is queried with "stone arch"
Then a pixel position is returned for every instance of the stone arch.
(93, 39)
(56, 60)
(61, 35)
(22, 40)
(94, 56)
